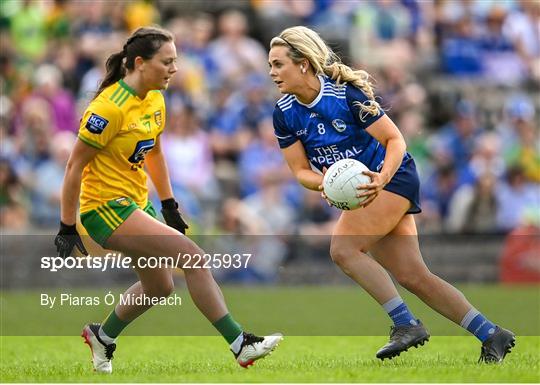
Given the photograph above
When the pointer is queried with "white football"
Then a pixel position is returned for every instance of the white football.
(340, 183)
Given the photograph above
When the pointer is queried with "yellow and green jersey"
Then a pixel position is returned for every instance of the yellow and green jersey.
(124, 128)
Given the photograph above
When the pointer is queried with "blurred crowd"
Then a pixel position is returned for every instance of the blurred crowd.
(460, 79)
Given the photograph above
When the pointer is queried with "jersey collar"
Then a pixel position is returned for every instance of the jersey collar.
(319, 96)
(126, 87)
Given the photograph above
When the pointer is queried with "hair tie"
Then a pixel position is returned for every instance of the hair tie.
(289, 44)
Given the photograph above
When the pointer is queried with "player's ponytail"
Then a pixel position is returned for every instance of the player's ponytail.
(304, 43)
(342, 73)
(115, 70)
(144, 42)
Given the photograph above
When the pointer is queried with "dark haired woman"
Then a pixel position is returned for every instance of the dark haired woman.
(119, 134)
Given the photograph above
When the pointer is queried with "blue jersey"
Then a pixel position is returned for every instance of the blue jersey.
(330, 127)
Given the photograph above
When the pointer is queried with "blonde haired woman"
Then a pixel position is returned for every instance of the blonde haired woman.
(328, 113)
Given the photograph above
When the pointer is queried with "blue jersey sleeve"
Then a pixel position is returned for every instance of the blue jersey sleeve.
(353, 95)
(284, 136)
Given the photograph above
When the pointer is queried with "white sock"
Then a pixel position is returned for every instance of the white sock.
(468, 318)
(105, 338)
(237, 343)
(392, 304)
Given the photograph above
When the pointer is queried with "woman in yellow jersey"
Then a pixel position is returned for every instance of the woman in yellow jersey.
(119, 134)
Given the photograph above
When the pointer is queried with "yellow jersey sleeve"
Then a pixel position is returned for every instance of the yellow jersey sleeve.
(100, 123)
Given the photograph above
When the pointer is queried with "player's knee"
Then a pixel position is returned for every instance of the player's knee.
(161, 290)
(340, 255)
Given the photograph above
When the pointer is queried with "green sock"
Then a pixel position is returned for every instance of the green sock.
(228, 328)
(113, 326)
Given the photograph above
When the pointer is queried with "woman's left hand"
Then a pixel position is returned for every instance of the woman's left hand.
(372, 189)
(321, 189)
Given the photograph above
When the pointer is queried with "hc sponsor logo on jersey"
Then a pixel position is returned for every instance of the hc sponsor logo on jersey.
(96, 124)
(301, 132)
(314, 115)
(141, 149)
(339, 125)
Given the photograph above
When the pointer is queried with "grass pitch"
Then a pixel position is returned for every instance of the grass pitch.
(146, 354)
(297, 359)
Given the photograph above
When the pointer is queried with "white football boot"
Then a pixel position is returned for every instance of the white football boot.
(102, 353)
(254, 347)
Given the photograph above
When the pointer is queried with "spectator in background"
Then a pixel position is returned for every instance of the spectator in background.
(522, 27)
(515, 198)
(399, 90)
(94, 18)
(224, 124)
(48, 81)
(235, 53)
(500, 60)
(90, 81)
(8, 149)
(47, 180)
(33, 137)
(473, 207)
(381, 32)
(486, 158)
(188, 154)
(412, 125)
(197, 50)
(57, 21)
(139, 13)
(274, 15)
(522, 139)
(253, 106)
(8, 71)
(333, 20)
(259, 158)
(460, 134)
(461, 55)
(13, 212)
(65, 60)
(439, 189)
(191, 82)
(95, 30)
(28, 32)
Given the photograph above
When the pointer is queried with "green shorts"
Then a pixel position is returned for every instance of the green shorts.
(101, 222)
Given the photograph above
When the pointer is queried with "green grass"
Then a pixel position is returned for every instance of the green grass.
(174, 344)
(297, 359)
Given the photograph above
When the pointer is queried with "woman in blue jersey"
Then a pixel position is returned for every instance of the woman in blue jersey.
(329, 112)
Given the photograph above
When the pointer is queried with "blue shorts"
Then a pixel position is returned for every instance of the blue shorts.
(407, 184)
